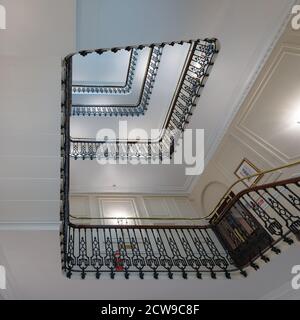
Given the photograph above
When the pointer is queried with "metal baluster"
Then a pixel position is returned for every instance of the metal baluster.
(293, 196)
(164, 259)
(271, 224)
(96, 259)
(178, 260)
(191, 259)
(289, 199)
(125, 260)
(71, 259)
(220, 261)
(206, 261)
(151, 260)
(83, 259)
(137, 259)
(292, 222)
(109, 258)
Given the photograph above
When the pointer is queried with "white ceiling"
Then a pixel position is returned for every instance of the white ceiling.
(170, 67)
(109, 69)
(131, 98)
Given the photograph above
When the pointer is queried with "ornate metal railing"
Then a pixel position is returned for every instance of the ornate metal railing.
(247, 227)
(256, 219)
(84, 149)
(246, 231)
(196, 70)
(127, 110)
(142, 250)
(98, 89)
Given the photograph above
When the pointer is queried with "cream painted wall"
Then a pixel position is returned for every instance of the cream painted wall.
(39, 34)
(131, 205)
(265, 130)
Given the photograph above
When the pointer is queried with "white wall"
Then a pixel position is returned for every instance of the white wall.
(265, 130)
(39, 34)
(131, 205)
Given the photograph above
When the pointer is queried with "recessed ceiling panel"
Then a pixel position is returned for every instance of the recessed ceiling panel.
(109, 70)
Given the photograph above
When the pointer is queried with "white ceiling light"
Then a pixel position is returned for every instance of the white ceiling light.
(293, 116)
(297, 116)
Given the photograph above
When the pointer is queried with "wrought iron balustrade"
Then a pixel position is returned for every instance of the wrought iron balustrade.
(256, 219)
(102, 150)
(126, 110)
(196, 70)
(98, 89)
(245, 229)
(143, 250)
